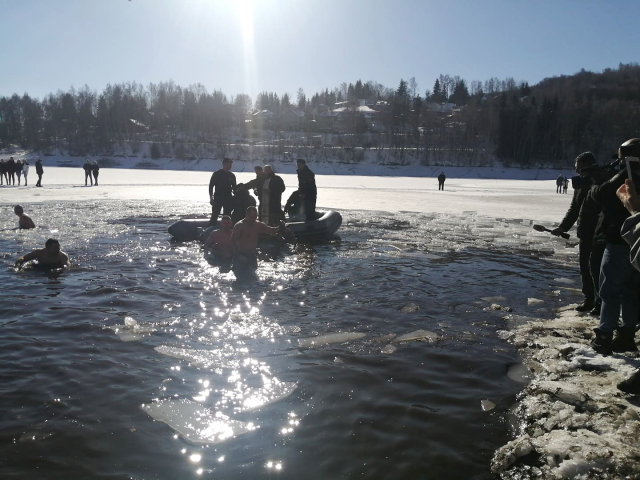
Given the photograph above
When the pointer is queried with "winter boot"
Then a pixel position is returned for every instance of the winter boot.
(588, 304)
(601, 343)
(624, 340)
(596, 310)
(631, 384)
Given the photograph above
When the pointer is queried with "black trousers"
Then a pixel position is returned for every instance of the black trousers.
(440, 185)
(39, 184)
(220, 204)
(590, 259)
(309, 207)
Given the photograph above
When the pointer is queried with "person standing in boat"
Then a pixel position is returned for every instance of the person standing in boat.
(95, 169)
(224, 183)
(307, 189)
(256, 183)
(39, 172)
(271, 199)
(441, 178)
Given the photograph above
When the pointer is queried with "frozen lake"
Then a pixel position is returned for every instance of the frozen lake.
(530, 199)
(373, 355)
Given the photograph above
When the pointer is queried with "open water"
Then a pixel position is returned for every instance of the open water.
(72, 389)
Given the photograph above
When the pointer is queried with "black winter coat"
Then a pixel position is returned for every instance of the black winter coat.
(613, 212)
(575, 212)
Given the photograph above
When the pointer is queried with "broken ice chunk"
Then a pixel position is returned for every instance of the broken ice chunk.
(196, 423)
(330, 338)
(417, 335)
(487, 405)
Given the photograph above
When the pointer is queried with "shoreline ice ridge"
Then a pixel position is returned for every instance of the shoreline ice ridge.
(573, 421)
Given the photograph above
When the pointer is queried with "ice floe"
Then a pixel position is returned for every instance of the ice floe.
(330, 338)
(131, 330)
(195, 423)
(417, 335)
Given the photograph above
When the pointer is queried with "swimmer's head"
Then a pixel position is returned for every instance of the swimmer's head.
(52, 245)
(226, 223)
(18, 210)
(252, 214)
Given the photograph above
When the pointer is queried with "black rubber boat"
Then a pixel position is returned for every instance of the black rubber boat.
(326, 224)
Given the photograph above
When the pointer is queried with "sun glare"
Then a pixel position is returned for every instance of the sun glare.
(244, 9)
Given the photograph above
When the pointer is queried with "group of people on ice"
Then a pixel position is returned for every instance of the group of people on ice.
(91, 168)
(244, 219)
(562, 184)
(11, 169)
(606, 207)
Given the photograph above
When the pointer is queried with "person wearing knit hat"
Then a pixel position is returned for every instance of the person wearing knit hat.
(586, 218)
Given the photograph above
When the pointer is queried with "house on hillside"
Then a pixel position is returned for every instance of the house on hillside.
(293, 119)
(136, 126)
(445, 107)
(262, 119)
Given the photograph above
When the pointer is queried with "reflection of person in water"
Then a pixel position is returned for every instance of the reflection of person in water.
(244, 240)
(24, 222)
(241, 201)
(49, 257)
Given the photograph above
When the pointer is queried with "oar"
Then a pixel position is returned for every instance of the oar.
(542, 228)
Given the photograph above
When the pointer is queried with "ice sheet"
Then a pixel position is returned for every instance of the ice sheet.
(330, 338)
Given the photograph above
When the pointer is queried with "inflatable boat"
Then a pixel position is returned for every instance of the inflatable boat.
(326, 224)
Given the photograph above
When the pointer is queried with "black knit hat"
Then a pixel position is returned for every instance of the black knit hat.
(585, 160)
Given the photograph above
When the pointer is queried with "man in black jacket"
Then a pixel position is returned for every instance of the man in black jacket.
(586, 166)
(39, 172)
(307, 189)
(619, 281)
(271, 200)
(224, 183)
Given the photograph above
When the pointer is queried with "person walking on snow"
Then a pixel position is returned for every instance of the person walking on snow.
(25, 171)
(565, 185)
(95, 169)
(441, 178)
(559, 183)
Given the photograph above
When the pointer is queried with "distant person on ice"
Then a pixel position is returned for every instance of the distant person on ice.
(3, 173)
(307, 189)
(270, 203)
(39, 172)
(25, 171)
(95, 169)
(441, 178)
(24, 222)
(87, 172)
(50, 257)
(244, 241)
(224, 183)
(586, 213)
(11, 171)
(565, 185)
(19, 170)
(559, 183)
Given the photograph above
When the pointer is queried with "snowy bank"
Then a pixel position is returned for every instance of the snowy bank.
(320, 165)
(573, 421)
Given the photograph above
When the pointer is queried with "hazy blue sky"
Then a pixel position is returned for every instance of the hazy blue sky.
(279, 45)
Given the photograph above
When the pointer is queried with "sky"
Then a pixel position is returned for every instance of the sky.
(249, 46)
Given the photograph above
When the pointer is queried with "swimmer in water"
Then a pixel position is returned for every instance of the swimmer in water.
(219, 242)
(24, 221)
(50, 257)
(244, 240)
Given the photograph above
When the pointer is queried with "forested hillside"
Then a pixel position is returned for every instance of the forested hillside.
(471, 121)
